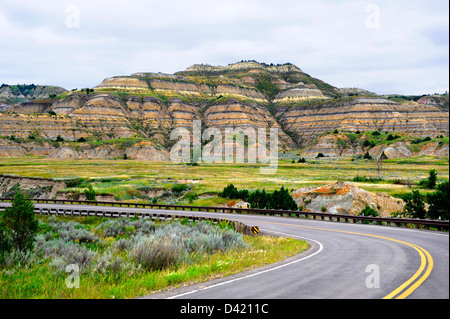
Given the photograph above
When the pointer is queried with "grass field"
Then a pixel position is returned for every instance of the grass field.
(130, 180)
(127, 179)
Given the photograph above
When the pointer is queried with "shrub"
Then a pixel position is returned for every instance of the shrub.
(70, 231)
(376, 133)
(155, 254)
(367, 156)
(74, 254)
(421, 140)
(65, 253)
(392, 137)
(369, 211)
(126, 226)
(89, 193)
(366, 179)
(320, 155)
(74, 182)
(179, 188)
(112, 227)
(108, 263)
(18, 258)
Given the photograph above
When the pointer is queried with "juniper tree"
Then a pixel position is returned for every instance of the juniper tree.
(18, 224)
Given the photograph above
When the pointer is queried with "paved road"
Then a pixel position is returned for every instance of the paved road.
(342, 262)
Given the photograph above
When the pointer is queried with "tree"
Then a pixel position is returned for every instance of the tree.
(432, 179)
(415, 205)
(18, 224)
(379, 163)
(439, 202)
(5, 242)
(429, 182)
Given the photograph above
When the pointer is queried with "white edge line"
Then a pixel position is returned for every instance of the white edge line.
(261, 272)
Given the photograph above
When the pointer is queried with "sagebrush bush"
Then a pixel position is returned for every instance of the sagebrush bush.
(130, 244)
(126, 226)
(70, 231)
(109, 263)
(63, 253)
(113, 227)
(18, 258)
(155, 254)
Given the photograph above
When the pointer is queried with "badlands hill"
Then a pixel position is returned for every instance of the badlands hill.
(135, 114)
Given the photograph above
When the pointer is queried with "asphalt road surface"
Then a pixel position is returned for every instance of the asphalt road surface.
(344, 261)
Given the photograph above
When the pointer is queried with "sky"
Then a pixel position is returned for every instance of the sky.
(384, 46)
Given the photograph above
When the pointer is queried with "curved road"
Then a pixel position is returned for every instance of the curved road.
(344, 261)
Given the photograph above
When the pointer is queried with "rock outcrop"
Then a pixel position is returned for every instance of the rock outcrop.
(353, 145)
(345, 198)
(363, 114)
(34, 187)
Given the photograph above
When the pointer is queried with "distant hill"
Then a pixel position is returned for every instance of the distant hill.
(12, 94)
(145, 107)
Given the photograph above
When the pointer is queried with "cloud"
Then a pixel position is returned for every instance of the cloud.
(330, 40)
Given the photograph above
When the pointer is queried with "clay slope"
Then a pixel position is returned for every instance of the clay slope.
(307, 122)
(149, 106)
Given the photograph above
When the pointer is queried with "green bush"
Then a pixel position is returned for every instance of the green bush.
(89, 193)
(369, 211)
(367, 156)
(392, 137)
(179, 188)
(421, 140)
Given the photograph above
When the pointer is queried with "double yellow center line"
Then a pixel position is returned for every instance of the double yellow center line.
(409, 286)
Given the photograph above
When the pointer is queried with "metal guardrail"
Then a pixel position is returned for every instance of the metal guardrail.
(238, 226)
(427, 223)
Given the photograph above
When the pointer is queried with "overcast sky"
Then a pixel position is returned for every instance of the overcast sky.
(386, 47)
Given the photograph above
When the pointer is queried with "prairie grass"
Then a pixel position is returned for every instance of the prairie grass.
(124, 178)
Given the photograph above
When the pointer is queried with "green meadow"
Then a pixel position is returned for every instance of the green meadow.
(132, 180)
